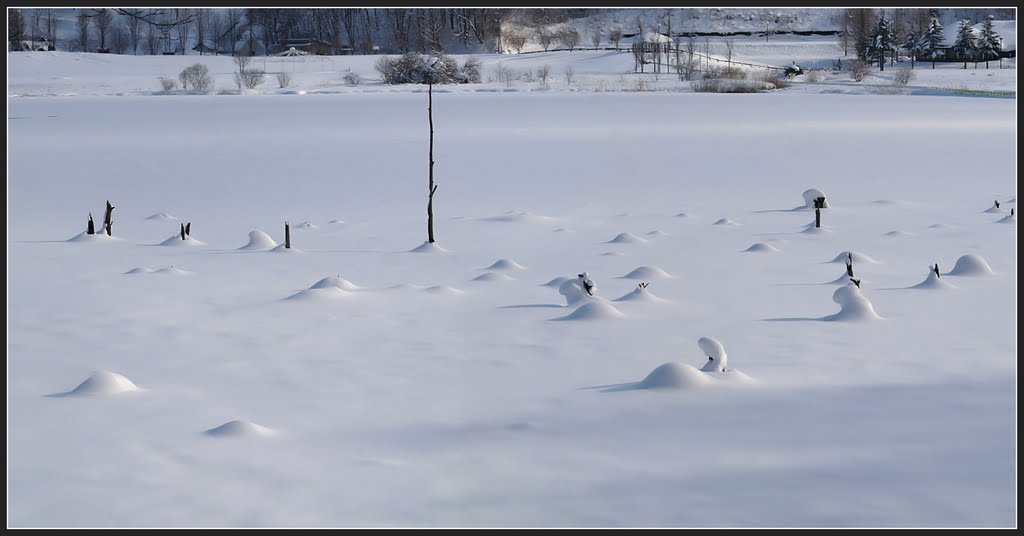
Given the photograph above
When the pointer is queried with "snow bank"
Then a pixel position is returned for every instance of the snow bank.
(259, 240)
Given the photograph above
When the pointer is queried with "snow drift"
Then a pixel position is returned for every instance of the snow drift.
(971, 265)
(259, 240)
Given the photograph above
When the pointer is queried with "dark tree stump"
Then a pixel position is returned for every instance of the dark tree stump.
(92, 227)
(183, 231)
(108, 219)
(817, 218)
(287, 236)
(849, 268)
(188, 229)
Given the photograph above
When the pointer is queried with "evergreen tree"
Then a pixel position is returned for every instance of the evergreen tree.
(933, 39)
(913, 45)
(882, 41)
(990, 44)
(966, 45)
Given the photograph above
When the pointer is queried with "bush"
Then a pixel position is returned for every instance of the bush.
(903, 76)
(858, 70)
(411, 68)
(544, 73)
(249, 78)
(504, 74)
(168, 84)
(570, 73)
(283, 80)
(717, 85)
(472, 70)
(353, 79)
(813, 76)
(733, 73)
(197, 75)
(775, 78)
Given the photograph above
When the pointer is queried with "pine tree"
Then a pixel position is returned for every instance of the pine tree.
(990, 44)
(933, 39)
(913, 45)
(882, 41)
(966, 45)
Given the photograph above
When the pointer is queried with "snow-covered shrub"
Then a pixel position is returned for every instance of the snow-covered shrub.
(774, 78)
(283, 80)
(168, 84)
(903, 76)
(544, 73)
(813, 76)
(858, 69)
(504, 74)
(249, 78)
(196, 75)
(412, 68)
(472, 70)
(569, 74)
(733, 73)
(352, 79)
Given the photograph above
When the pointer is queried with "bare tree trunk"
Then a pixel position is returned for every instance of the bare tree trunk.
(287, 236)
(188, 229)
(817, 218)
(92, 227)
(432, 187)
(108, 219)
(183, 231)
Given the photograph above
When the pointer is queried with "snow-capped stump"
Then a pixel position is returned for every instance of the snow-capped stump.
(505, 264)
(258, 240)
(102, 383)
(593, 310)
(428, 247)
(994, 209)
(647, 272)
(139, 270)
(971, 265)
(761, 247)
(579, 289)
(627, 238)
(853, 306)
(490, 277)
(240, 429)
(855, 256)
(848, 275)
(724, 221)
(639, 294)
(933, 280)
(718, 360)
(810, 196)
(161, 216)
(557, 282)
(1009, 218)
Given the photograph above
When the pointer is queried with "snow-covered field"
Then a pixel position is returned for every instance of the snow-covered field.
(352, 382)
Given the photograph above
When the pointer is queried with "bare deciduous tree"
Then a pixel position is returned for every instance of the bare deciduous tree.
(615, 37)
(283, 80)
(569, 37)
(515, 40)
(730, 44)
(544, 73)
(198, 76)
(569, 74)
(596, 34)
(546, 38)
(134, 26)
(83, 21)
(103, 19)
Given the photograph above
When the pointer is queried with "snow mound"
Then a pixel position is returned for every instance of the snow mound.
(657, 232)
(647, 272)
(626, 238)
(939, 226)
(724, 221)
(898, 233)
(171, 270)
(858, 258)
(639, 294)
(718, 360)
(305, 225)
(336, 222)
(239, 429)
(682, 215)
(318, 294)
(281, 249)
(444, 289)
(971, 264)
(933, 281)
(334, 281)
(573, 292)
(810, 195)
(428, 247)
(811, 229)
(98, 237)
(259, 240)
(103, 383)
(139, 270)
(492, 276)
(674, 376)
(556, 282)
(993, 210)
(1009, 218)
(161, 216)
(505, 264)
(853, 306)
(518, 216)
(613, 254)
(593, 310)
(176, 241)
(761, 247)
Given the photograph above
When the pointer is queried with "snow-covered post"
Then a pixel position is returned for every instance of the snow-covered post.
(108, 219)
(91, 229)
(287, 236)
